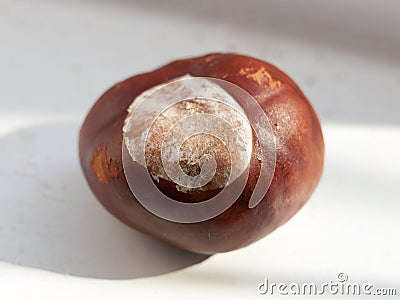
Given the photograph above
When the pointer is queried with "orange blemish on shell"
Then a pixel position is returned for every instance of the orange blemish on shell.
(259, 76)
(104, 167)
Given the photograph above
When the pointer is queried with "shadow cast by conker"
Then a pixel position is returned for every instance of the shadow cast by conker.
(50, 220)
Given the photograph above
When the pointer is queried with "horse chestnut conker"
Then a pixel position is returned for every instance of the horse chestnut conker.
(193, 131)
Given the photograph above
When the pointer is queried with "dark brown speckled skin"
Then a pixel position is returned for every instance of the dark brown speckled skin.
(300, 153)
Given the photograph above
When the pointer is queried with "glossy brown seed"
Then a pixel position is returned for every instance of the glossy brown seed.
(299, 162)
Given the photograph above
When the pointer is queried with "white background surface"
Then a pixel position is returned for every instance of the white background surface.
(56, 58)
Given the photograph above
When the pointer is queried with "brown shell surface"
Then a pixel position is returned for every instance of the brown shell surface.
(299, 142)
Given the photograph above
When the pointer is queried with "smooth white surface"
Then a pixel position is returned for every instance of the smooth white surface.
(56, 58)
